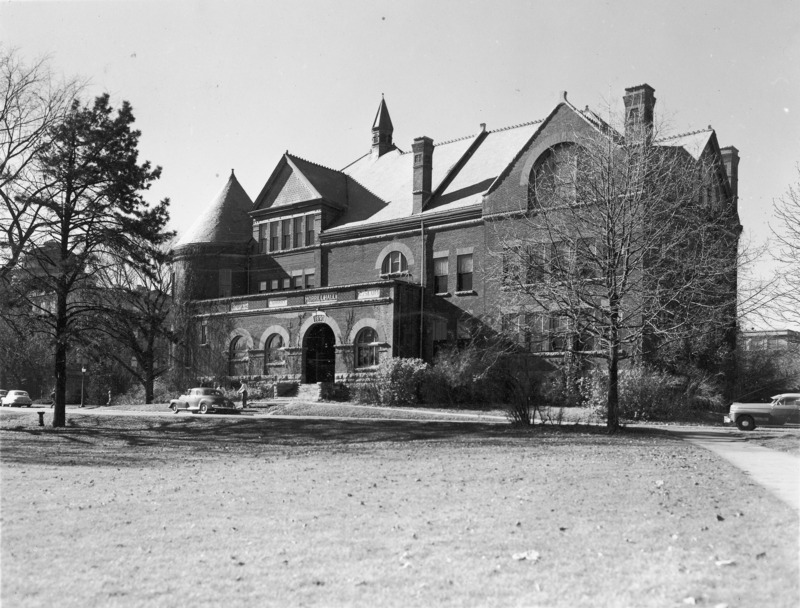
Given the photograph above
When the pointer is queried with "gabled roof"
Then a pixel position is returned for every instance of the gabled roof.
(226, 220)
(694, 142)
(295, 180)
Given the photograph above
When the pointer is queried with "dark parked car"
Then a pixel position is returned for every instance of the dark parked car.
(203, 400)
(783, 409)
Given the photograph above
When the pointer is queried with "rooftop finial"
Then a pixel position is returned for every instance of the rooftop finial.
(232, 174)
(562, 97)
(382, 130)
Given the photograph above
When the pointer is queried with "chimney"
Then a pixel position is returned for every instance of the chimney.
(730, 156)
(639, 104)
(423, 168)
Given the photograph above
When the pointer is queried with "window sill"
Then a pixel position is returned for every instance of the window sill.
(367, 368)
(395, 275)
(444, 294)
(470, 292)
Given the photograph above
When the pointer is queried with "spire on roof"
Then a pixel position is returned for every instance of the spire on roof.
(382, 130)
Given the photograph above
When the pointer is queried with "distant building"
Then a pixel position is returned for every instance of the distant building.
(328, 271)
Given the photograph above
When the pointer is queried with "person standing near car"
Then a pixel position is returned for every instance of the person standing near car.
(243, 392)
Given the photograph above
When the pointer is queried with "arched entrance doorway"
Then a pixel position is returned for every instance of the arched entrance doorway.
(319, 353)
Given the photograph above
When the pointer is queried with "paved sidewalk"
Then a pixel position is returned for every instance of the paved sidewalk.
(778, 472)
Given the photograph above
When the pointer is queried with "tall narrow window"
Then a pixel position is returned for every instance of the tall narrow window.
(367, 348)
(286, 283)
(262, 286)
(286, 234)
(440, 272)
(297, 281)
(263, 238)
(536, 261)
(309, 280)
(310, 230)
(204, 332)
(464, 279)
(274, 284)
(237, 357)
(273, 236)
(298, 231)
(559, 333)
(273, 351)
(225, 283)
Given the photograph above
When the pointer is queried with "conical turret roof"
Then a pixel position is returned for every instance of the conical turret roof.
(226, 220)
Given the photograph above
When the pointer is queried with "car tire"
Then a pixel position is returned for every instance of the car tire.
(745, 423)
(204, 408)
(174, 408)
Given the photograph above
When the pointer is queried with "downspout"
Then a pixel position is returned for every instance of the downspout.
(422, 284)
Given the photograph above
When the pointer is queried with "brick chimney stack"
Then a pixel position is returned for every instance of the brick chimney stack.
(730, 156)
(423, 170)
(639, 103)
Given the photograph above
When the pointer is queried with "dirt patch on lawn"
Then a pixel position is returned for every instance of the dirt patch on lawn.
(266, 512)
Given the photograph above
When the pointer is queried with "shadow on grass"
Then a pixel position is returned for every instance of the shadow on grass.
(135, 441)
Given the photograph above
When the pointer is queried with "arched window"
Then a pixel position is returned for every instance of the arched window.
(273, 353)
(553, 178)
(367, 348)
(237, 356)
(394, 263)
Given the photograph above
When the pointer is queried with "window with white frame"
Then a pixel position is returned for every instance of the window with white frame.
(273, 351)
(464, 270)
(394, 263)
(367, 348)
(441, 269)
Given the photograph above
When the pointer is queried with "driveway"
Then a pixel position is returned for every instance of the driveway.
(778, 472)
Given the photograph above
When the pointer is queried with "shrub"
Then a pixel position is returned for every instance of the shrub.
(647, 393)
(398, 380)
(474, 373)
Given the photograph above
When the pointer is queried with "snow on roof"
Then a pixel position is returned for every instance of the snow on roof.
(226, 220)
(693, 142)
(390, 176)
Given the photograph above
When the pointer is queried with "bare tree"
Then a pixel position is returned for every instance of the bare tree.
(627, 249)
(33, 104)
(787, 211)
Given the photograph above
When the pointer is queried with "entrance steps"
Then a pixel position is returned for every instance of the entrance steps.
(309, 392)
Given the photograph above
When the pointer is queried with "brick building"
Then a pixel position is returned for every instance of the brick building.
(328, 271)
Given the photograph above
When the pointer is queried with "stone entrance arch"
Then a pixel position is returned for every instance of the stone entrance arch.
(319, 355)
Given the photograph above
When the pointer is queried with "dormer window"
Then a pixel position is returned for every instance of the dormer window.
(394, 263)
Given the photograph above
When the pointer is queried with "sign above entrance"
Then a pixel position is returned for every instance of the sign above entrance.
(322, 297)
(318, 316)
(278, 303)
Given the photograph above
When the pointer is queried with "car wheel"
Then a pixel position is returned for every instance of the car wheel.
(745, 423)
(174, 408)
(204, 408)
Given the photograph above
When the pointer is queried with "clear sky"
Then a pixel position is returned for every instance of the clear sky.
(221, 85)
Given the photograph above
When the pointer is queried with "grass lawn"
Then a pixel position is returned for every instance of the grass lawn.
(207, 511)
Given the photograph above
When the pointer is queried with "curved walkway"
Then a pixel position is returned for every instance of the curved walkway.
(778, 472)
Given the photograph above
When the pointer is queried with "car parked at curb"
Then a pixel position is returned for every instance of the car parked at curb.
(783, 409)
(16, 398)
(202, 400)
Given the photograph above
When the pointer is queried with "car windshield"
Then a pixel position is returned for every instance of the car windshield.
(19, 393)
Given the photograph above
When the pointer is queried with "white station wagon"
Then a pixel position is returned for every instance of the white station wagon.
(784, 408)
